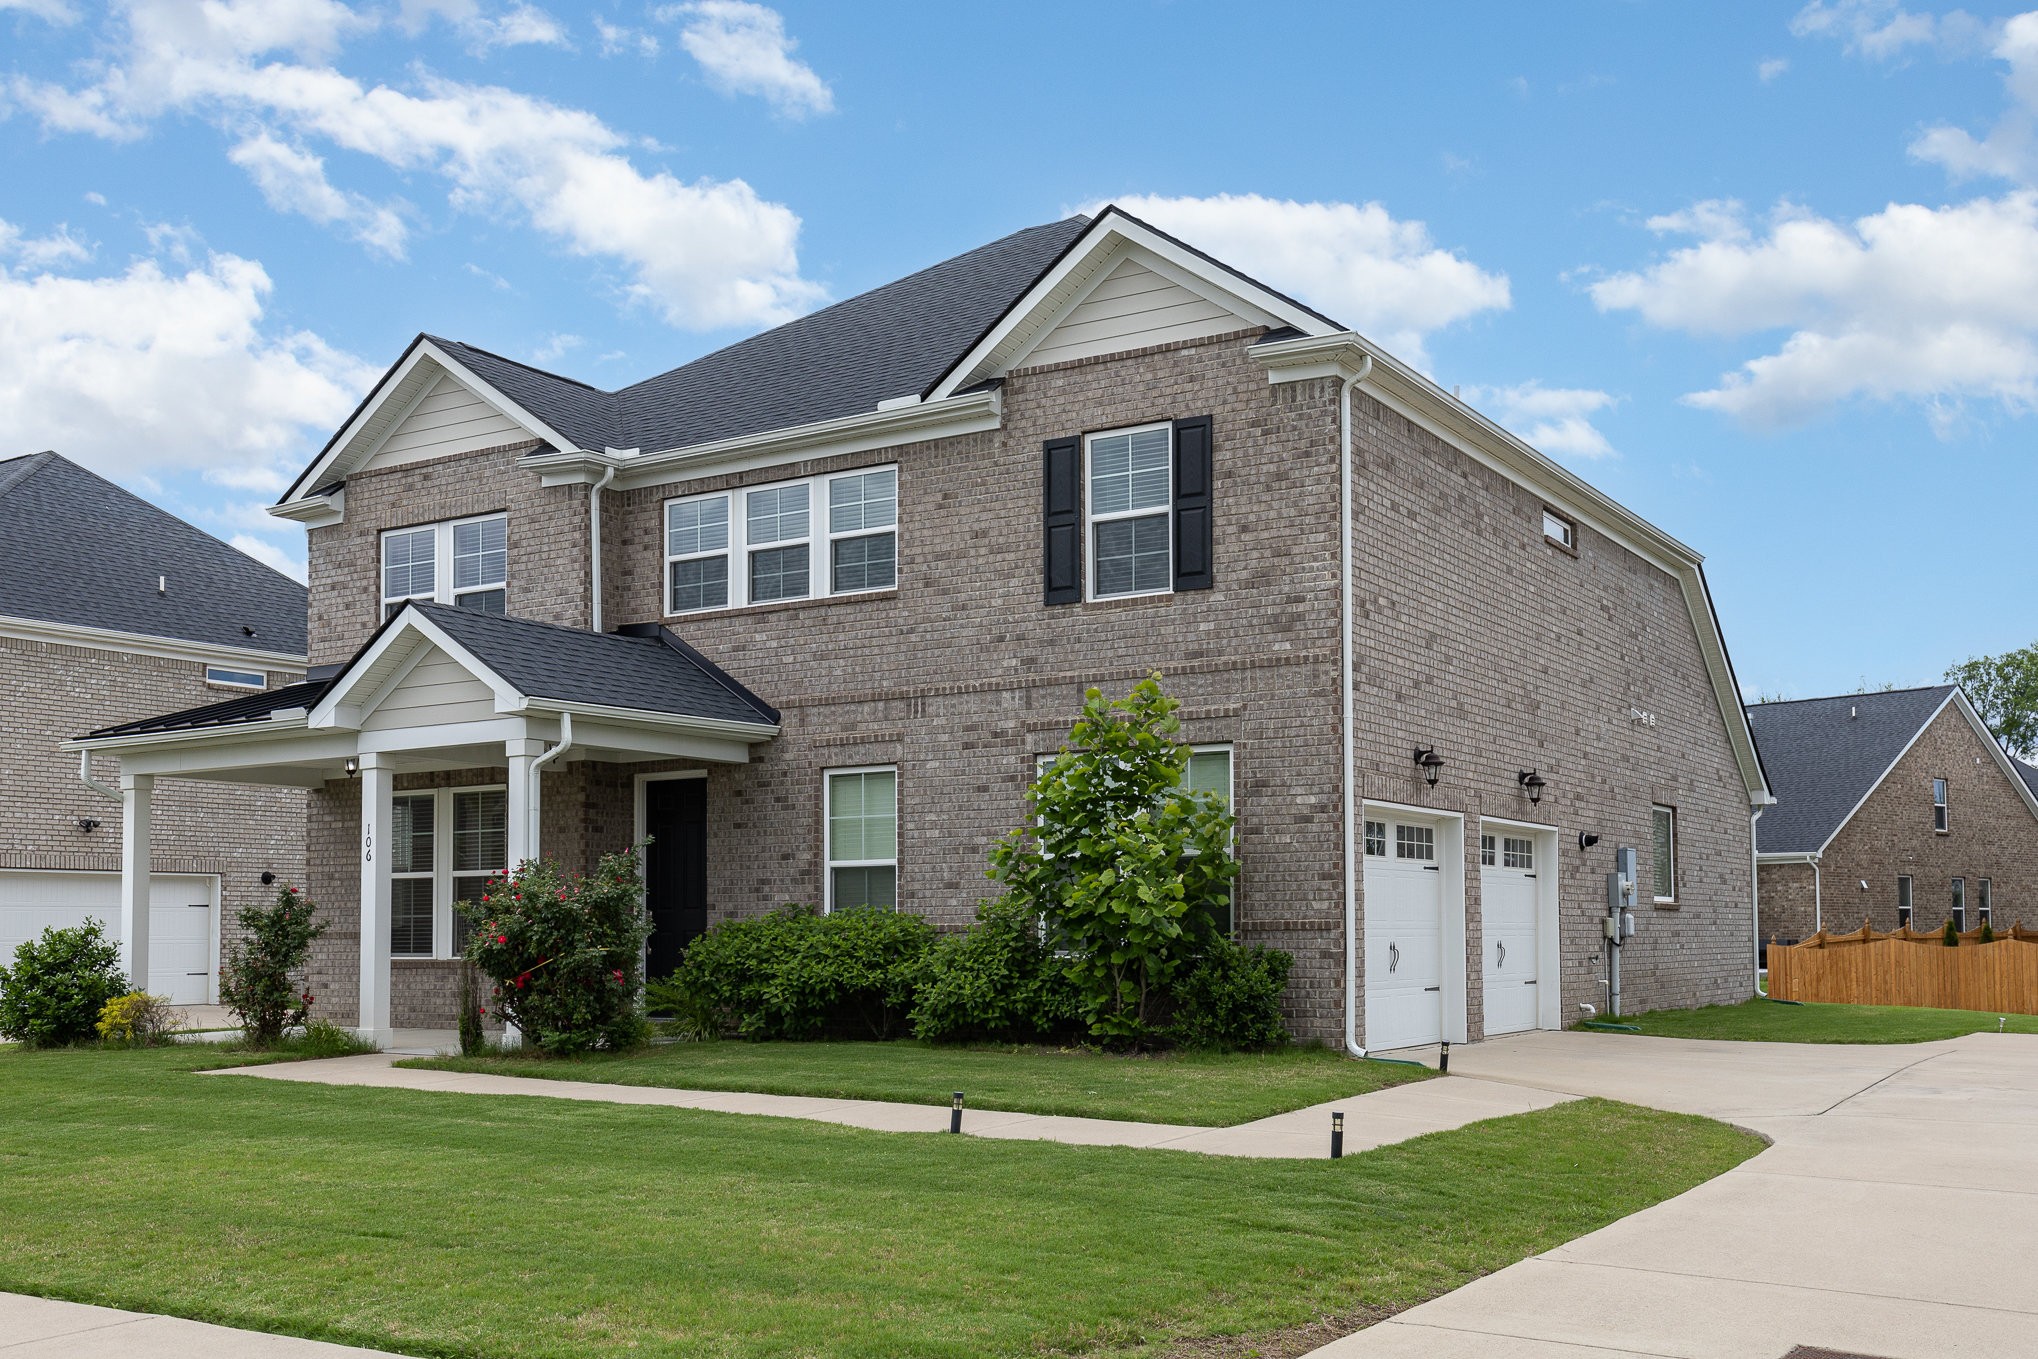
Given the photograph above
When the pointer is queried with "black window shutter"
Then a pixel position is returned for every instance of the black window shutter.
(1062, 520)
(1192, 504)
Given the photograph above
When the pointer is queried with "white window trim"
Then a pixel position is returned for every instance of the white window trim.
(820, 541)
(1984, 902)
(1670, 900)
(829, 863)
(1230, 805)
(442, 563)
(1906, 900)
(1091, 518)
(216, 676)
(1568, 540)
(1942, 806)
(1956, 904)
(442, 873)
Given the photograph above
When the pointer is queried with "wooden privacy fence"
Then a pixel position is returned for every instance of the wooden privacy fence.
(1910, 967)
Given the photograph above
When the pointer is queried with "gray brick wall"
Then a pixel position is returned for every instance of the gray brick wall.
(1474, 636)
(50, 693)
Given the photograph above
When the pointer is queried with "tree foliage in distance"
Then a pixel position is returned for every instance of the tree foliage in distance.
(2004, 690)
(1127, 869)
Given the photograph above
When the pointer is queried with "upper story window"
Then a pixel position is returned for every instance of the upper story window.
(1131, 492)
(834, 535)
(1939, 805)
(1663, 851)
(464, 562)
(1559, 531)
(227, 677)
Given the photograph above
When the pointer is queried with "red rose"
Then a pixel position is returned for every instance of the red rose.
(502, 939)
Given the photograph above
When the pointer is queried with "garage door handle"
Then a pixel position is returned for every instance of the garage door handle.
(1500, 953)
(1432, 988)
(1530, 982)
(1393, 955)
(1431, 868)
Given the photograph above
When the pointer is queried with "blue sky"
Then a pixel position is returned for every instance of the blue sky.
(1768, 274)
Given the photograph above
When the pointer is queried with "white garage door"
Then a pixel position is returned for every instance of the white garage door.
(1508, 892)
(1404, 933)
(180, 921)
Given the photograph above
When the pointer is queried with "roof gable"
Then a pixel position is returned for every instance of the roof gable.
(85, 553)
(449, 417)
(1825, 756)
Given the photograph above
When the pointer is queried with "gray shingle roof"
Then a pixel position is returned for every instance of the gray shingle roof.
(232, 712)
(83, 552)
(645, 668)
(2027, 772)
(897, 340)
(1823, 755)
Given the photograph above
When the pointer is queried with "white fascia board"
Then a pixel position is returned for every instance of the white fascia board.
(1923, 727)
(344, 705)
(314, 511)
(1072, 274)
(2002, 757)
(974, 413)
(720, 728)
(349, 449)
(168, 648)
(1403, 390)
(1792, 857)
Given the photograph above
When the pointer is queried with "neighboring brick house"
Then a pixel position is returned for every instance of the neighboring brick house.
(1893, 808)
(902, 534)
(111, 609)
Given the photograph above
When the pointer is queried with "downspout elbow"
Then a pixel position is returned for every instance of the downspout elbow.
(85, 777)
(564, 744)
(1351, 842)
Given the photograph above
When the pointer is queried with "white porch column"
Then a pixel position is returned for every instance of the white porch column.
(524, 799)
(378, 782)
(137, 799)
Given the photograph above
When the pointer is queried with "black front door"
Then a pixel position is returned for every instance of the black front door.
(675, 868)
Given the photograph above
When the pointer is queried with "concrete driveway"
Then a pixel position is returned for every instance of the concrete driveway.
(1896, 1214)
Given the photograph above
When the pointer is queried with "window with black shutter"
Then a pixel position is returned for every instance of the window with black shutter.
(1062, 520)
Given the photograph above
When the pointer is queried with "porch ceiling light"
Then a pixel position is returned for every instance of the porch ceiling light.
(1431, 764)
(1533, 784)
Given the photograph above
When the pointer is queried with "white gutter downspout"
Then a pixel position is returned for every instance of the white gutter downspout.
(594, 545)
(1351, 826)
(564, 744)
(85, 777)
(1755, 887)
(1818, 904)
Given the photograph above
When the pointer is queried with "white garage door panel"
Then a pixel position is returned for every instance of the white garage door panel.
(180, 921)
(1510, 899)
(1404, 946)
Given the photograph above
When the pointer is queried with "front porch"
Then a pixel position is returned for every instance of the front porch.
(457, 744)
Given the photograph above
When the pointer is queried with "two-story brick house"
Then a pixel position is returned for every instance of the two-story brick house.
(899, 536)
(1895, 808)
(112, 609)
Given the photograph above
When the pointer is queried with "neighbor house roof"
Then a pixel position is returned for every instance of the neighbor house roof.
(2029, 774)
(642, 668)
(83, 553)
(1824, 755)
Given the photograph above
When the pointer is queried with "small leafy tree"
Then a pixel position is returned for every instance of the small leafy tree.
(2004, 690)
(1127, 869)
(260, 981)
(566, 953)
(59, 983)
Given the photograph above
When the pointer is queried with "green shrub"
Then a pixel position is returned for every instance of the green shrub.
(1988, 933)
(259, 980)
(565, 954)
(1231, 999)
(58, 985)
(997, 981)
(323, 1038)
(473, 1042)
(137, 1019)
(1950, 936)
(797, 974)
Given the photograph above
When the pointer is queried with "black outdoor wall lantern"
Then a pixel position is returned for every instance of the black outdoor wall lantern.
(1431, 763)
(1533, 784)
(353, 766)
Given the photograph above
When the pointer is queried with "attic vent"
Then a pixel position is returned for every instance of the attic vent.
(1853, 712)
(162, 585)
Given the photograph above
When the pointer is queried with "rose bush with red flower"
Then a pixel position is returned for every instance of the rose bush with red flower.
(565, 953)
(261, 977)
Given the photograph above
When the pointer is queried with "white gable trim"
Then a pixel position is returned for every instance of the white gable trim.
(1029, 337)
(1082, 267)
(394, 397)
(410, 637)
(1988, 738)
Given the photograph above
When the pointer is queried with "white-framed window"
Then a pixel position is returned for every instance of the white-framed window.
(815, 538)
(226, 677)
(1984, 902)
(463, 562)
(1209, 771)
(1414, 842)
(1376, 839)
(1129, 481)
(861, 809)
(1939, 806)
(1960, 904)
(1663, 851)
(445, 844)
(1488, 855)
(1903, 901)
(1518, 851)
(1559, 531)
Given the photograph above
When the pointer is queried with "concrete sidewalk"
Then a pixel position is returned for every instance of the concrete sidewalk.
(43, 1328)
(1375, 1120)
(1895, 1214)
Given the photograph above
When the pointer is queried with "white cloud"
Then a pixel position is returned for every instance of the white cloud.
(294, 180)
(1882, 30)
(705, 253)
(154, 369)
(555, 348)
(1556, 420)
(616, 38)
(744, 49)
(515, 25)
(1769, 70)
(2010, 149)
(1936, 306)
(269, 554)
(42, 252)
(1353, 261)
(49, 11)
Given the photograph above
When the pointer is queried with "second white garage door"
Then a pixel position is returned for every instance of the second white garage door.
(181, 910)
(1509, 895)
(1404, 933)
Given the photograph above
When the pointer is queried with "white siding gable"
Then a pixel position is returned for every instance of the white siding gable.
(448, 419)
(1131, 307)
(438, 690)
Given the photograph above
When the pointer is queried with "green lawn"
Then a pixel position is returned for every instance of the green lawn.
(446, 1224)
(1768, 1021)
(1208, 1089)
